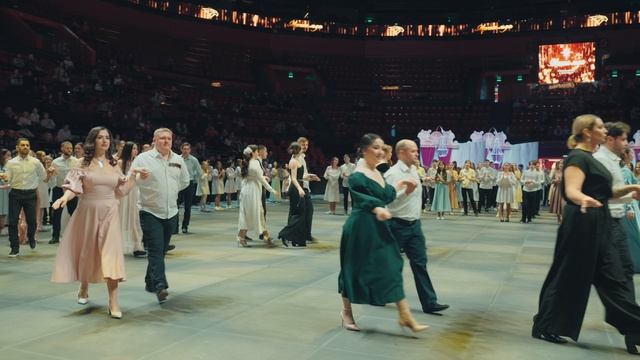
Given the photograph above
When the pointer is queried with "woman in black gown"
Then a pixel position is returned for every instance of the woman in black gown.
(585, 253)
(296, 230)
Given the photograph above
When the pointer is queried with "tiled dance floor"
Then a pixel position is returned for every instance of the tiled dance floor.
(276, 303)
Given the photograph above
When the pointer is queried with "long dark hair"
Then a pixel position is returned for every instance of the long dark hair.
(247, 157)
(125, 157)
(442, 172)
(90, 146)
(3, 152)
(365, 141)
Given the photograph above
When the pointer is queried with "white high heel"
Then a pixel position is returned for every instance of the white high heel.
(115, 314)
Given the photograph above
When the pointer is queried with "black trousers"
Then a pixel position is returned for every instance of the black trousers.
(156, 234)
(345, 197)
(432, 192)
(425, 196)
(186, 196)
(57, 193)
(308, 208)
(485, 199)
(494, 196)
(528, 205)
(411, 239)
(25, 200)
(538, 201)
(467, 195)
(580, 262)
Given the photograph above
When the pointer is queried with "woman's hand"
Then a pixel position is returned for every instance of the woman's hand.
(143, 172)
(382, 214)
(589, 202)
(60, 203)
(301, 192)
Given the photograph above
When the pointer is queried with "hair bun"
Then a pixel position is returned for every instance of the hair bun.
(247, 151)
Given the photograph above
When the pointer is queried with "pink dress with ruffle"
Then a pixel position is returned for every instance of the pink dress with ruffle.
(91, 247)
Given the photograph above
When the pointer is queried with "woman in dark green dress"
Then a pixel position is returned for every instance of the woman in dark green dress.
(585, 253)
(370, 260)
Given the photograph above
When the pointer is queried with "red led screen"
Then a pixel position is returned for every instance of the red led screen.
(561, 63)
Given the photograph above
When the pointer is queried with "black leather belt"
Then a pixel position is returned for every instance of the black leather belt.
(404, 222)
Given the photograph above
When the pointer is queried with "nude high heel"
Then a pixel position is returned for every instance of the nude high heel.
(407, 320)
(345, 324)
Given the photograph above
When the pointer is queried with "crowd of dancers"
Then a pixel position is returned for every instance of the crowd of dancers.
(129, 204)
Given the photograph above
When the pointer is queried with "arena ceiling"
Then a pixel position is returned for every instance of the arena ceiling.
(418, 11)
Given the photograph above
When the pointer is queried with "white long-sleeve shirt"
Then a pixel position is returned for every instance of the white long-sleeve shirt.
(159, 191)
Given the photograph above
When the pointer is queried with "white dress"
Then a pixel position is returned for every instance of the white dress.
(506, 188)
(217, 185)
(230, 185)
(238, 178)
(332, 191)
(43, 194)
(203, 184)
(251, 214)
(130, 222)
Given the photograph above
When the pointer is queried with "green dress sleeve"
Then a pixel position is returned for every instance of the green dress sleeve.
(360, 191)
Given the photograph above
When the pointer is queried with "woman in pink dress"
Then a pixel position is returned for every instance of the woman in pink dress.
(91, 248)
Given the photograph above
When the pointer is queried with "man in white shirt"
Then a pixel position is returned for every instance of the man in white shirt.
(186, 196)
(165, 175)
(23, 174)
(307, 177)
(485, 176)
(346, 170)
(61, 165)
(609, 155)
(532, 181)
(406, 225)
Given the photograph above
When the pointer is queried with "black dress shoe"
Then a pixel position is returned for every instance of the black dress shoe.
(162, 295)
(435, 308)
(631, 340)
(185, 230)
(170, 247)
(552, 338)
(54, 240)
(139, 253)
(32, 244)
(248, 238)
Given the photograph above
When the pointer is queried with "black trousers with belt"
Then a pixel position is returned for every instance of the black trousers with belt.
(57, 193)
(411, 239)
(529, 199)
(22, 200)
(156, 234)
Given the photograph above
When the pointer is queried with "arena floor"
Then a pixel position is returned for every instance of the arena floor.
(278, 303)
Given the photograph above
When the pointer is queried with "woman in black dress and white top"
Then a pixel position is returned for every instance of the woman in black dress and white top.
(296, 230)
(585, 252)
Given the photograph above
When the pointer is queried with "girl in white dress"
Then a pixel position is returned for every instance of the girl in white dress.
(230, 187)
(128, 207)
(506, 191)
(332, 191)
(202, 189)
(276, 182)
(251, 215)
(217, 186)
